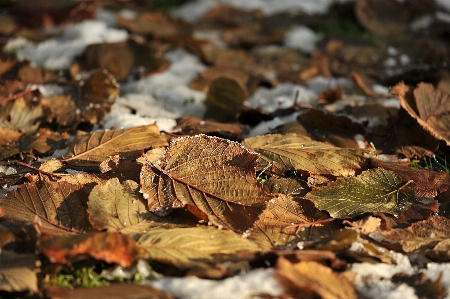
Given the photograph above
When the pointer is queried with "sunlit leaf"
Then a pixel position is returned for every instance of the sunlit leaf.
(375, 190)
(56, 207)
(429, 106)
(92, 149)
(183, 245)
(119, 207)
(213, 177)
(109, 247)
(297, 152)
(17, 272)
(287, 219)
(309, 279)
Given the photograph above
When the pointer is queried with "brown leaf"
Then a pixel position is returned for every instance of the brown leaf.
(427, 183)
(182, 246)
(119, 207)
(56, 207)
(120, 58)
(21, 115)
(289, 186)
(61, 109)
(158, 25)
(309, 279)
(382, 17)
(421, 235)
(95, 95)
(191, 125)
(109, 247)
(214, 175)
(114, 291)
(204, 79)
(288, 219)
(430, 107)
(282, 153)
(92, 149)
(225, 99)
(18, 272)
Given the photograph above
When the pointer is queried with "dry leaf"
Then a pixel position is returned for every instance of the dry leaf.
(114, 291)
(421, 235)
(213, 177)
(375, 190)
(288, 219)
(282, 153)
(225, 99)
(180, 246)
(429, 106)
(21, 115)
(92, 149)
(56, 207)
(191, 125)
(116, 206)
(17, 272)
(109, 247)
(309, 279)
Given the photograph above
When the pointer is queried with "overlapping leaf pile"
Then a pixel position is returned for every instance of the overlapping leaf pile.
(192, 203)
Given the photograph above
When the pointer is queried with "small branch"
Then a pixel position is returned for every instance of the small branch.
(38, 170)
(15, 96)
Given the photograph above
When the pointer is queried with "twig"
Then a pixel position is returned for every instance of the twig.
(38, 170)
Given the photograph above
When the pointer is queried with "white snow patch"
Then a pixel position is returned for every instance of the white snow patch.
(301, 37)
(380, 89)
(265, 127)
(282, 96)
(58, 53)
(14, 44)
(434, 270)
(421, 22)
(443, 16)
(193, 11)
(321, 83)
(238, 287)
(445, 4)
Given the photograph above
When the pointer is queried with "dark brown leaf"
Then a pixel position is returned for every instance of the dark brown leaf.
(109, 247)
(191, 125)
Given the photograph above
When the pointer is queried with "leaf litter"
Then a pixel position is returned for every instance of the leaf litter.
(235, 199)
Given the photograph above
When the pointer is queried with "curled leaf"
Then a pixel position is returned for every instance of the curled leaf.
(375, 190)
(297, 152)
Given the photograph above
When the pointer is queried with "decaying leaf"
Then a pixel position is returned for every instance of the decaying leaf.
(429, 106)
(375, 190)
(17, 272)
(309, 279)
(109, 247)
(215, 178)
(421, 235)
(289, 186)
(92, 149)
(119, 207)
(180, 246)
(191, 125)
(21, 115)
(113, 291)
(297, 152)
(56, 207)
(288, 219)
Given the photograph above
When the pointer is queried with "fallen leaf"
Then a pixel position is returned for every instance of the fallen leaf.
(109, 247)
(115, 206)
(91, 149)
(374, 190)
(17, 272)
(429, 106)
(309, 279)
(180, 246)
(114, 291)
(21, 115)
(56, 207)
(289, 186)
(421, 235)
(427, 183)
(225, 99)
(211, 175)
(382, 17)
(191, 125)
(286, 220)
(282, 153)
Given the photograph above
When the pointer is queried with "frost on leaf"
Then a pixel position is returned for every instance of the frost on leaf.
(429, 106)
(297, 152)
(92, 149)
(375, 190)
(213, 177)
